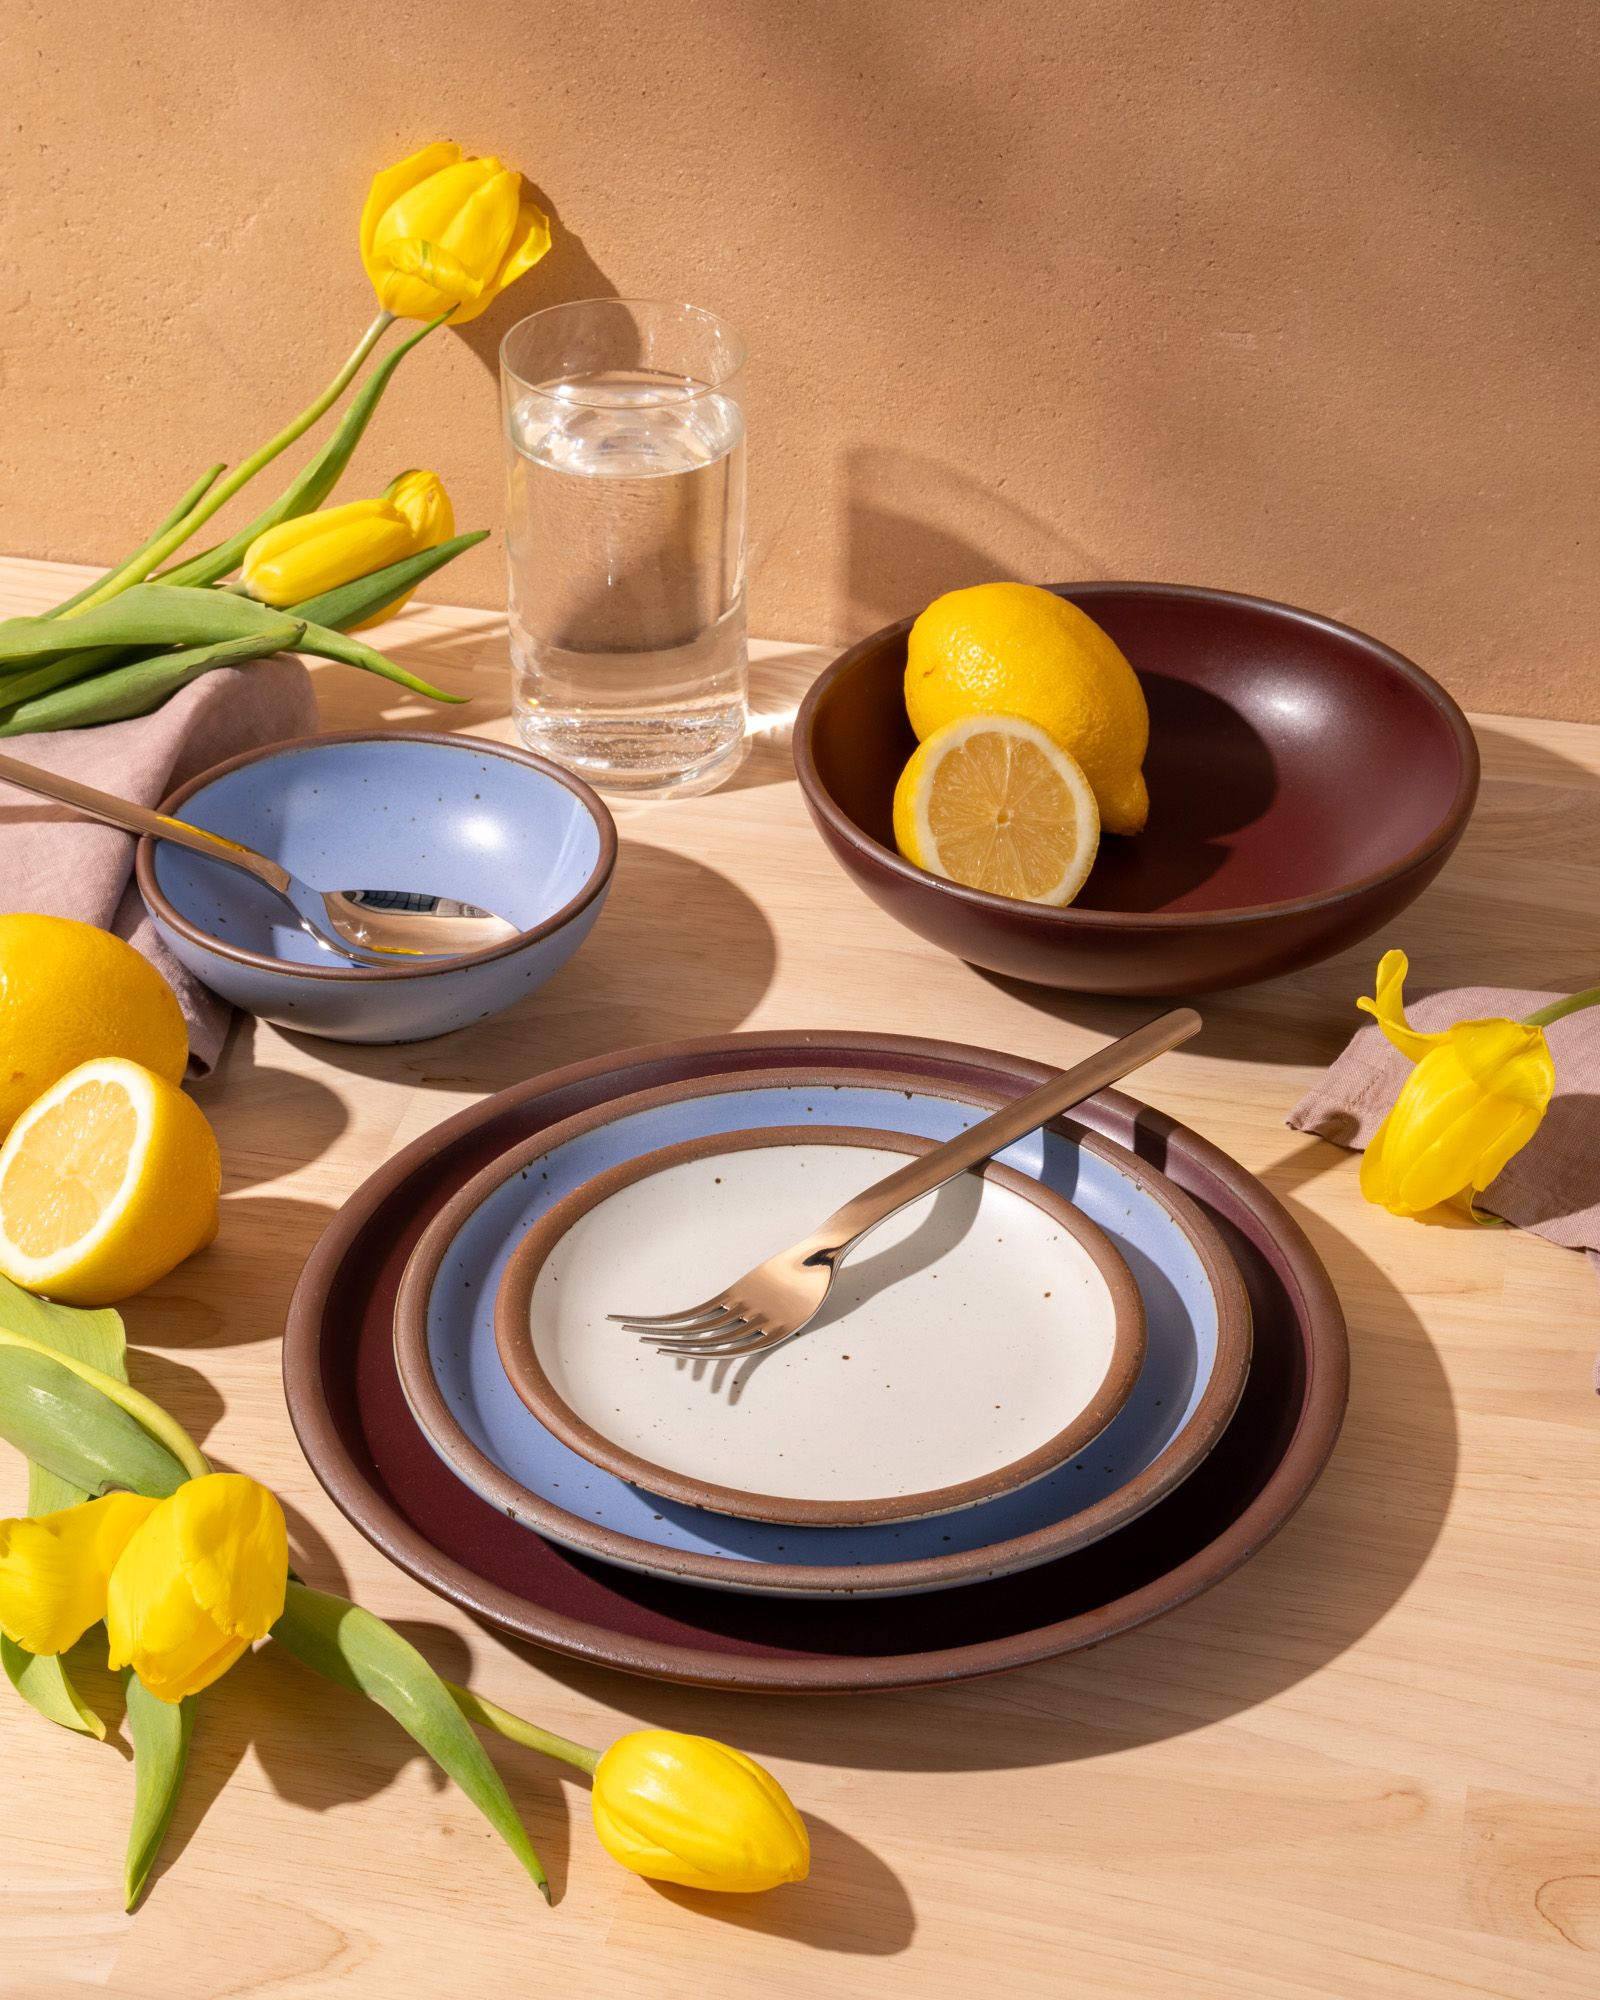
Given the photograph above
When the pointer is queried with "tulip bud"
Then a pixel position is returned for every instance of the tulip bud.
(311, 554)
(687, 1809)
(440, 233)
(200, 1580)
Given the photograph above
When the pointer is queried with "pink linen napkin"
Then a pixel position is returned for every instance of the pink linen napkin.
(57, 863)
(1553, 1185)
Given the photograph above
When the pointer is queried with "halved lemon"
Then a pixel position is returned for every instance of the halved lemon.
(106, 1182)
(992, 802)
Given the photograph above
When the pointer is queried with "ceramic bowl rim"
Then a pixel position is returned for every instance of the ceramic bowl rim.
(1211, 1416)
(528, 1377)
(595, 885)
(1074, 917)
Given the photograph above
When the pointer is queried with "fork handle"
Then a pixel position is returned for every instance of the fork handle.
(133, 818)
(991, 1135)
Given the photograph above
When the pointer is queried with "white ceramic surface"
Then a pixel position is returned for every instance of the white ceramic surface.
(964, 1334)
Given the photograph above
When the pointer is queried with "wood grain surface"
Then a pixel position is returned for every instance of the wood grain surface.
(1365, 1765)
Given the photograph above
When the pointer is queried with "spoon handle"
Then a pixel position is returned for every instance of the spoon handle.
(1000, 1129)
(139, 819)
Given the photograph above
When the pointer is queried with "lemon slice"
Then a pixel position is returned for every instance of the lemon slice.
(106, 1182)
(990, 801)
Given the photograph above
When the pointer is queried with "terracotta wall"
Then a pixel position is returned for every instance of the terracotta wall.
(1300, 298)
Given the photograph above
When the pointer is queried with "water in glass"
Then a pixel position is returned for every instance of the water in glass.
(626, 532)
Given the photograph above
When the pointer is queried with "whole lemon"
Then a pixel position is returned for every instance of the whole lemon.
(69, 993)
(1014, 649)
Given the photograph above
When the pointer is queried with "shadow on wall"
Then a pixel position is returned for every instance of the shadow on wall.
(915, 528)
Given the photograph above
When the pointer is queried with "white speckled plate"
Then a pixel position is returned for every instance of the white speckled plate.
(973, 1344)
(1197, 1355)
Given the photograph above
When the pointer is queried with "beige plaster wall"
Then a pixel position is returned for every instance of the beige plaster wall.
(1298, 298)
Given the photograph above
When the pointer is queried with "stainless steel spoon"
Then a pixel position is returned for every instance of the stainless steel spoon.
(365, 926)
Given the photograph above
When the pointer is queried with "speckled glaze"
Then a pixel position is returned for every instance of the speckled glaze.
(362, 1442)
(441, 815)
(977, 1341)
(1197, 1354)
(1306, 784)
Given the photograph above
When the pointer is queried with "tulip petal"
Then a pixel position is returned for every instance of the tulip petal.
(423, 278)
(1389, 1009)
(1510, 1058)
(529, 242)
(54, 1569)
(388, 186)
(200, 1580)
(1444, 1132)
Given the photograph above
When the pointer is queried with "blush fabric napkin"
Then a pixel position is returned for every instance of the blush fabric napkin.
(1553, 1185)
(55, 862)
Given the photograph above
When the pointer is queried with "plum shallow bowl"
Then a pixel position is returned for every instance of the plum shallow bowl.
(447, 816)
(1306, 784)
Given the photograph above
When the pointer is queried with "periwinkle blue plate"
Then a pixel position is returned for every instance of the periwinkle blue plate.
(447, 816)
(1196, 1360)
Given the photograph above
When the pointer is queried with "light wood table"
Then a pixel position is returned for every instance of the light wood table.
(1365, 1765)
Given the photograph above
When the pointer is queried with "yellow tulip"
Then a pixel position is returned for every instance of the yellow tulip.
(201, 1578)
(690, 1810)
(439, 231)
(54, 1569)
(1476, 1096)
(312, 553)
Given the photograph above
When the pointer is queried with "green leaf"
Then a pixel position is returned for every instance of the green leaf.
(44, 1683)
(148, 614)
(197, 491)
(314, 484)
(331, 645)
(160, 1731)
(135, 688)
(351, 602)
(359, 1651)
(18, 684)
(95, 1337)
(72, 1429)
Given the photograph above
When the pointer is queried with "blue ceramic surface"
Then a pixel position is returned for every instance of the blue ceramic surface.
(445, 816)
(1180, 1300)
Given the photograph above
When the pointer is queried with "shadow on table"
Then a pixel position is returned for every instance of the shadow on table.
(1337, 1569)
(680, 949)
(851, 1903)
(236, 1291)
(256, 1109)
(322, 1747)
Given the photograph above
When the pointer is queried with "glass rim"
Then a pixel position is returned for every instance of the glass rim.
(692, 388)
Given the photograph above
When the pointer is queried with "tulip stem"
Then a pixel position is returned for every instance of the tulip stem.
(1577, 1001)
(489, 1715)
(155, 553)
(150, 1416)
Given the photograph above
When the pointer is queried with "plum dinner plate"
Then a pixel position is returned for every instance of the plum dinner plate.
(980, 1339)
(364, 1445)
(1197, 1349)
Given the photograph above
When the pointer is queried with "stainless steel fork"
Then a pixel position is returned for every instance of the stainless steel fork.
(772, 1303)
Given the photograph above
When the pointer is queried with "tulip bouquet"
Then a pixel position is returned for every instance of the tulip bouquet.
(441, 237)
(128, 1524)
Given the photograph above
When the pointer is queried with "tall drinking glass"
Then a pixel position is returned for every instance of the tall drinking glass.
(625, 524)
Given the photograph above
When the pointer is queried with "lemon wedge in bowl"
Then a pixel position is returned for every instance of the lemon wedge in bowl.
(106, 1182)
(992, 802)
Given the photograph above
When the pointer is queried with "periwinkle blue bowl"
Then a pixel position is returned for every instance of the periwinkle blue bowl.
(446, 816)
